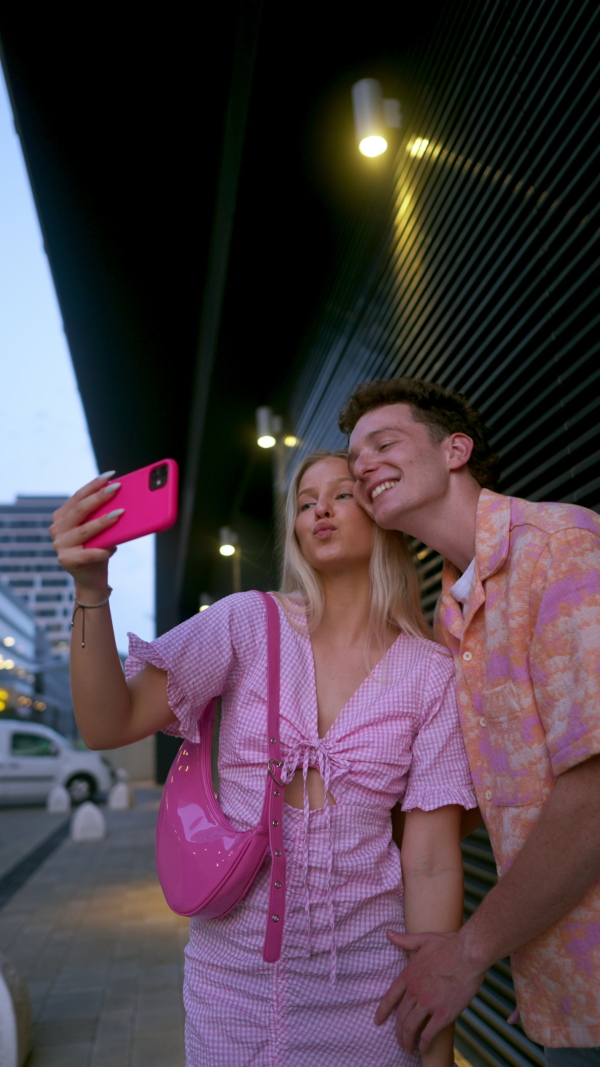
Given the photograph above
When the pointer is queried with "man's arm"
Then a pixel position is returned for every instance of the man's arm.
(557, 864)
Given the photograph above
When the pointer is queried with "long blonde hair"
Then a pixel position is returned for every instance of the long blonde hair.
(395, 599)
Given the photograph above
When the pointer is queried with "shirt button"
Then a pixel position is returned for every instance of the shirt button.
(488, 794)
(482, 721)
(467, 656)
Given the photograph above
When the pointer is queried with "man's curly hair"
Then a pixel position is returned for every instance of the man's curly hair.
(443, 411)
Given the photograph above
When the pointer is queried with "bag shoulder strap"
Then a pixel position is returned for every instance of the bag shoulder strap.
(273, 804)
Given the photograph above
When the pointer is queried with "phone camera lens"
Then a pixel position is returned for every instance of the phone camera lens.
(159, 476)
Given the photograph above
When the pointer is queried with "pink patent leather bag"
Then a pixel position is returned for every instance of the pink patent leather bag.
(205, 866)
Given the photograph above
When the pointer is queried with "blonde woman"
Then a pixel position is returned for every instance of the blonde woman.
(367, 720)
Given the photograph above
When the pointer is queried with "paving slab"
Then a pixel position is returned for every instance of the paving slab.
(22, 829)
(98, 947)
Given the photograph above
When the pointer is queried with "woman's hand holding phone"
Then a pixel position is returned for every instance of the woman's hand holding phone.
(140, 503)
(108, 713)
(71, 528)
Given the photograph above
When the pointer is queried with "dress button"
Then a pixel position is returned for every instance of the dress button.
(482, 721)
(467, 656)
(488, 794)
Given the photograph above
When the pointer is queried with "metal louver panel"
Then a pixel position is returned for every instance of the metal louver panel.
(475, 268)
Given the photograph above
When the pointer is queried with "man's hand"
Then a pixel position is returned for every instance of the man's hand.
(432, 990)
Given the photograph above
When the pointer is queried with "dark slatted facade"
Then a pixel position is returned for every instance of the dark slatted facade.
(474, 267)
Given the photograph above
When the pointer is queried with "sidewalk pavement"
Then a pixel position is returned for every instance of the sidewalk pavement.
(100, 951)
(22, 829)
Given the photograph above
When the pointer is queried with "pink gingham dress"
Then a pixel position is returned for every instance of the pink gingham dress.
(397, 738)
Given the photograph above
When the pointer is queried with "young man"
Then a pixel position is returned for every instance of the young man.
(520, 611)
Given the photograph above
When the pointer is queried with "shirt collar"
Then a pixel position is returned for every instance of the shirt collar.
(491, 549)
(492, 532)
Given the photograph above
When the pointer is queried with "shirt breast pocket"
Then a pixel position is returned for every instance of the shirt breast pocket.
(514, 776)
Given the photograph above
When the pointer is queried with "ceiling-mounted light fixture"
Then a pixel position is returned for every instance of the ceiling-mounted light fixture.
(268, 427)
(373, 116)
(228, 541)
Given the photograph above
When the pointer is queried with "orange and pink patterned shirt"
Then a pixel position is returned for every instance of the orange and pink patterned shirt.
(527, 653)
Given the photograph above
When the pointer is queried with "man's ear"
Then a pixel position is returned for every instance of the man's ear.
(458, 450)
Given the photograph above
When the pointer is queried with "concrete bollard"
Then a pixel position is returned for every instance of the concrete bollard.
(120, 798)
(15, 1016)
(58, 801)
(88, 823)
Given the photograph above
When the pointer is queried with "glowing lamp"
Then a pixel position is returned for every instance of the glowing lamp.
(372, 116)
(9, 641)
(268, 427)
(228, 541)
(372, 146)
(290, 441)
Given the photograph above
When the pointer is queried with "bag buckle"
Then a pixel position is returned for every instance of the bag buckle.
(278, 763)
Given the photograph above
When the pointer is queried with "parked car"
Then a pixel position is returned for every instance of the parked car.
(34, 758)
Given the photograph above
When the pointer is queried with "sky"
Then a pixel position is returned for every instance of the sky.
(46, 446)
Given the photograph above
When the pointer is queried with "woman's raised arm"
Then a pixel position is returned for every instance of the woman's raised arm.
(109, 711)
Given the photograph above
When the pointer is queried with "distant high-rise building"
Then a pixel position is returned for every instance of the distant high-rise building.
(18, 656)
(34, 678)
(29, 563)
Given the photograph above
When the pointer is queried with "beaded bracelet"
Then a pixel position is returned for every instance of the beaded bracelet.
(79, 604)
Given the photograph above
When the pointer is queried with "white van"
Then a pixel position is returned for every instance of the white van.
(34, 758)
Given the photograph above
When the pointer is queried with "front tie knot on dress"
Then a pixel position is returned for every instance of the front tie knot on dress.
(331, 766)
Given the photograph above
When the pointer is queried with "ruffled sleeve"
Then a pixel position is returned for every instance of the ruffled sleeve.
(202, 657)
(439, 771)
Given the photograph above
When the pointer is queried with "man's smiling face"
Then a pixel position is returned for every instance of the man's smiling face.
(399, 469)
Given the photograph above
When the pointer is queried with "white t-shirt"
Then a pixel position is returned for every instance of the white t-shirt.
(461, 588)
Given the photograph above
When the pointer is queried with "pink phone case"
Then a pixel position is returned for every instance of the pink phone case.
(149, 496)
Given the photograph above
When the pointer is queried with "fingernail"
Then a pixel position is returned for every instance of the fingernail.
(113, 514)
(111, 488)
(107, 474)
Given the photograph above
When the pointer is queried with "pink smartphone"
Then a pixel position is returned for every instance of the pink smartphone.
(149, 496)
